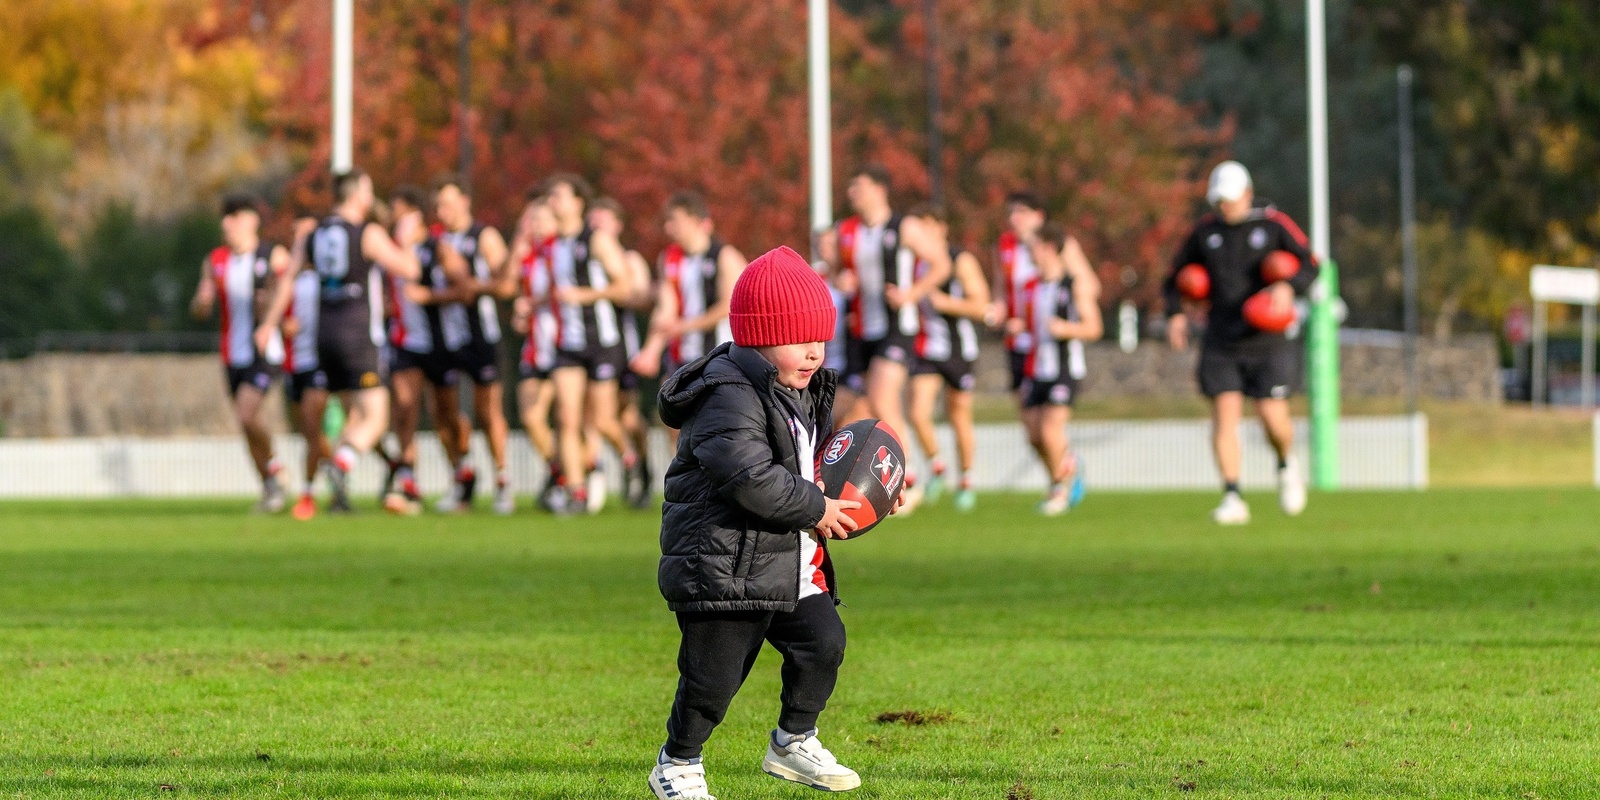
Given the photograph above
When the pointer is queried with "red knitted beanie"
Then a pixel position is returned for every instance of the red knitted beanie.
(779, 299)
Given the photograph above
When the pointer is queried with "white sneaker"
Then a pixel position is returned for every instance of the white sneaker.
(805, 761)
(680, 780)
(1232, 511)
(504, 501)
(597, 491)
(912, 496)
(1291, 489)
(1056, 503)
(449, 503)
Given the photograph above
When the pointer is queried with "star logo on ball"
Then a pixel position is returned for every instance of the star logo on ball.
(888, 469)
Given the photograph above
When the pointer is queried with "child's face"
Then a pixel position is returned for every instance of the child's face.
(796, 363)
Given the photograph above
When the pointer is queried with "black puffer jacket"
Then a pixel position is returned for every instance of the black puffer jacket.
(736, 504)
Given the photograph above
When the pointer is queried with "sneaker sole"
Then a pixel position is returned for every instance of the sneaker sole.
(782, 773)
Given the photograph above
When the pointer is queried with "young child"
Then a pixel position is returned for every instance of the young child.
(742, 558)
(1061, 311)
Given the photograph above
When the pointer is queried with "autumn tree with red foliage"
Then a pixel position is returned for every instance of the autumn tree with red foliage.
(1076, 99)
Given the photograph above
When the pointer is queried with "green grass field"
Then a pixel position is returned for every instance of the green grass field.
(1431, 645)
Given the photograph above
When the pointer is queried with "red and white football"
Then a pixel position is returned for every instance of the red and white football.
(864, 462)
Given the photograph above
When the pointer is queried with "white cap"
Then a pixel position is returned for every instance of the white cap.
(1229, 181)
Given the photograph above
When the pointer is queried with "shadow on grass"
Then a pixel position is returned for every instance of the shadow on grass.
(130, 775)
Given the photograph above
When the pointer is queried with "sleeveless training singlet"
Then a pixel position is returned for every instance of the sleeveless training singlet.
(945, 336)
(581, 328)
(239, 279)
(476, 322)
(879, 259)
(693, 281)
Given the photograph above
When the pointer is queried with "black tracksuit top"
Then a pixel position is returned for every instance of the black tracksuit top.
(1232, 257)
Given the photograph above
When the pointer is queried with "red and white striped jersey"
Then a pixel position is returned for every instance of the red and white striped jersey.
(240, 280)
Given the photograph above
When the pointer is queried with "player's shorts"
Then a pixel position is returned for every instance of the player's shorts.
(1259, 370)
(531, 372)
(958, 373)
(295, 388)
(599, 363)
(860, 353)
(1019, 369)
(346, 352)
(438, 368)
(1059, 392)
(259, 374)
(479, 361)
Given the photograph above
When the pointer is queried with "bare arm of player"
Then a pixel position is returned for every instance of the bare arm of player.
(604, 248)
(508, 282)
(398, 261)
(283, 292)
(640, 281)
(730, 263)
(845, 280)
(1085, 296)
(502, 283)
(974, 286)
(928, 246)
(662, 330)
(205, 294)
(460, 286)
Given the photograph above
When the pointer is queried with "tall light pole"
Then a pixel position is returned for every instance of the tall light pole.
(464, 67)
(1322, 346)
(1408, 230)
(343, 79)
(821, 104)
(930, 68)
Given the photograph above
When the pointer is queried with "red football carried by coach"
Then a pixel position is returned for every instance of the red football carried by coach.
(1279, 265)
(864, 462)
(1194, 282)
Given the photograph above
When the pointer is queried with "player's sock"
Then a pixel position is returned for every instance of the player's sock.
(1230, 487)
(500, 477)
(1283, 462)
(345, 458)
(938, 468)
(580, 494)
(965, 481)
(630, 461)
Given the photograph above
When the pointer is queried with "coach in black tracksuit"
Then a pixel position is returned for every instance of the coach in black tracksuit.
(1236, 359)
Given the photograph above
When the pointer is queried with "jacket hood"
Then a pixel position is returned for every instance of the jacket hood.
(682, 393)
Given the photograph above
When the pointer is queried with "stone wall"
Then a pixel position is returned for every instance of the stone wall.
(58, 394)
(1371, 365)
(55, 395)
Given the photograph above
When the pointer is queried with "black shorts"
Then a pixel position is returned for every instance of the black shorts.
(479, 361)
(1260, 370)
(259, 374)
(957, 372)
(1019, 369)
(859, 353)
(599, 363)
(530, 372)
(1059, 392)
(295, 388)
(438, 368)
(350, 358)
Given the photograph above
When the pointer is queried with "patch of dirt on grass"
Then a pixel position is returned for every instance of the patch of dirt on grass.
(915, 718)
(1019, 791)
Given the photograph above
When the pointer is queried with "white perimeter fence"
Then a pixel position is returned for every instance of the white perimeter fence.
(1376, 452)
